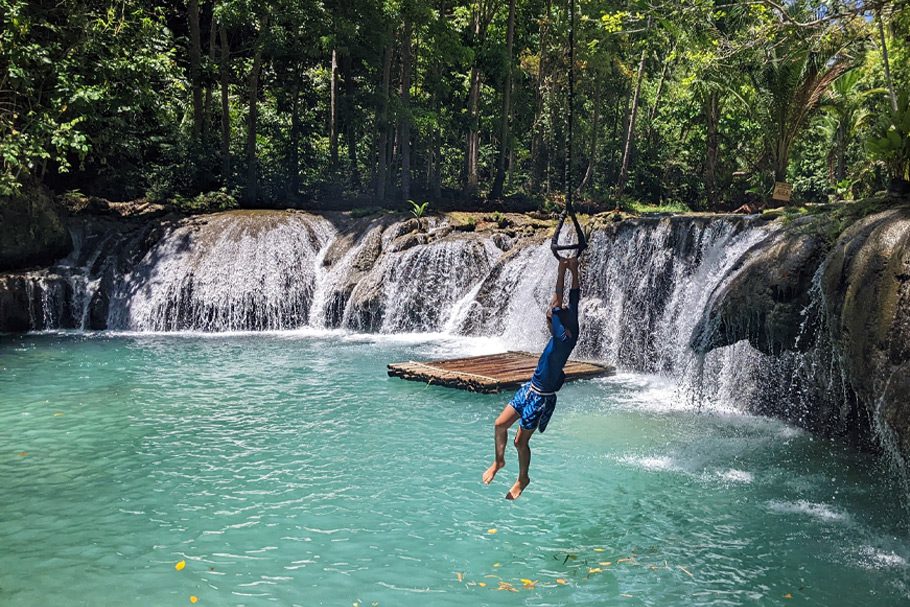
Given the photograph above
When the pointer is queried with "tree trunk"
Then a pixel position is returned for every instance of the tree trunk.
(884, 44)
(404, 121)
(504, 142)
(630, 132)
(294, 167)
(434, 181)
(841, 166)
(394, 134)
(595, 127)
(712, 117)
(480, 20)
(252, 169)
(333, 113)
(382, 127)
(538, 142)
(195, 67)
(225, 109)
(472, 143)
(616, 123)
(781, 159)
(207, 105)
(350, 125)
(652, 115)
(436, 173)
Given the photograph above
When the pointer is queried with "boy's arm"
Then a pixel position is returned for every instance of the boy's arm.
(558, 329)
(556, 300)
(560, 284)
(575, 291)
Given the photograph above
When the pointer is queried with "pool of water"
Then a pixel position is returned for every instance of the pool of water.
(287, 469)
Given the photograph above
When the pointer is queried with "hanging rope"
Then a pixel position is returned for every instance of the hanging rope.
(569, 211)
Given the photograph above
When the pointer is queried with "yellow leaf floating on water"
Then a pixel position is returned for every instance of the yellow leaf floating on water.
(594, 570)
(180, 565)
(529, 584)
(194, 599)
(482, 584)
(491, 531)
(788, 596)
(598, 550)
(561, 581)
(605, 563)
(506, 586)
(496, 565)
(459, 576)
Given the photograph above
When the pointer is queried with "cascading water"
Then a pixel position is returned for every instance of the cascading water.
(417, 289)
(235, 272)
(645, 282)
(72, 293)
(644, 286)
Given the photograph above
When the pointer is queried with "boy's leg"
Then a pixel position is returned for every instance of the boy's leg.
(500, 432)
(522, 440)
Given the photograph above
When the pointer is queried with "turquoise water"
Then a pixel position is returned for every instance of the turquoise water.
(289, 470)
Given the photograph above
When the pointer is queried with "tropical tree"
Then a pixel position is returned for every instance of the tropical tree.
(846, 105)
(85, 89)
(890, 143)
(791, 85)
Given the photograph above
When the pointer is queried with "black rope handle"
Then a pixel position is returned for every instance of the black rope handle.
(582, 242)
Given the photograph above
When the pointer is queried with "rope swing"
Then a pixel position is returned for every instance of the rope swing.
(574, 250)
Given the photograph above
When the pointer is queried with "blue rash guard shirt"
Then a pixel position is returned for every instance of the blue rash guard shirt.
(548, 377)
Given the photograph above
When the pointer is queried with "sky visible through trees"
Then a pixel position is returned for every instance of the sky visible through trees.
(703, 103)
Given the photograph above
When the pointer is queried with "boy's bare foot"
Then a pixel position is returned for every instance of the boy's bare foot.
(519, 486)
(491, 472)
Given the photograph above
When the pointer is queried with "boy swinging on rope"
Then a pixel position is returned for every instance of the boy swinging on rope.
(535, 400)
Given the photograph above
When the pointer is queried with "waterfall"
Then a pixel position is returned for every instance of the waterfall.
(247, 271)
(417, 289)
(71, 294)
(645, 281)
(644, 284)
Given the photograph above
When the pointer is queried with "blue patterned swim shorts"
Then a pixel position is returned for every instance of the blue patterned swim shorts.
(535, 409)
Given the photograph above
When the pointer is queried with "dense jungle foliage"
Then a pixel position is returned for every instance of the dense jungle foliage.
(695, 103)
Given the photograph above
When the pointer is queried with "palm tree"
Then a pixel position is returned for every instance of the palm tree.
(845, 105)
(791, 86)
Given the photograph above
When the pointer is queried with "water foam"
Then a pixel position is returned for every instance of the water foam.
(816, 510)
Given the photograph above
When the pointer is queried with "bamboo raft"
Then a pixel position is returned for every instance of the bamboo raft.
(488, 374)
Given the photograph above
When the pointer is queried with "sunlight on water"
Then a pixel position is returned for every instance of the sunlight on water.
(287, 469)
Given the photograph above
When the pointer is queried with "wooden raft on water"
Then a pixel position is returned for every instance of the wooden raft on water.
(488, 374)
